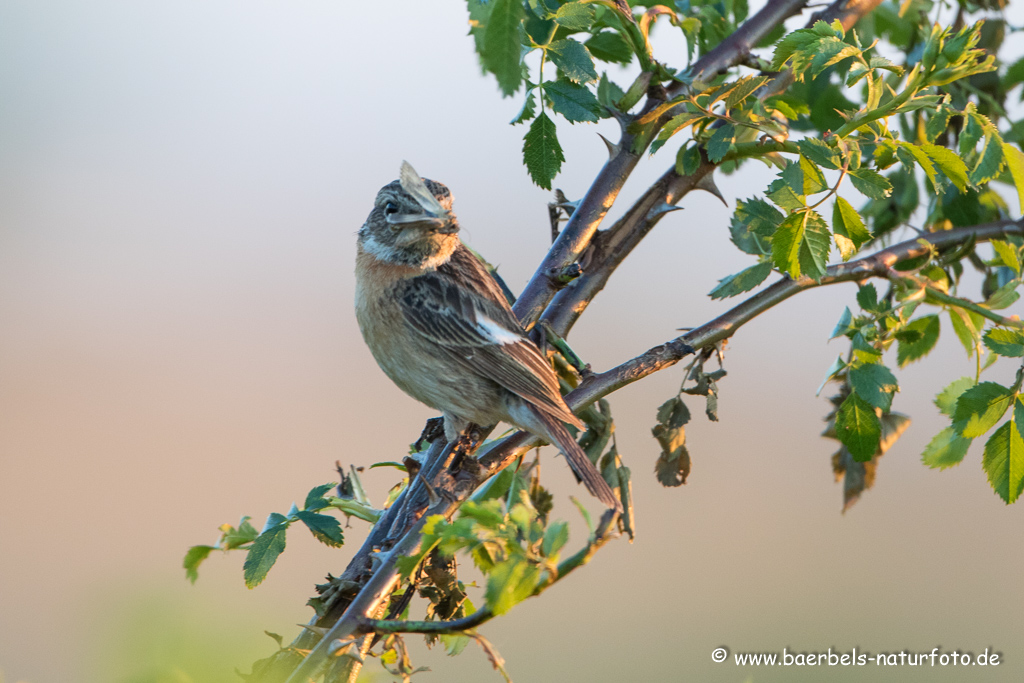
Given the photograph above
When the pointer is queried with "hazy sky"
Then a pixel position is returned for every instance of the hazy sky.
(180, 184)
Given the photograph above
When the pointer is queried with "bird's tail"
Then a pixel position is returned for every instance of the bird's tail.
(552, 429)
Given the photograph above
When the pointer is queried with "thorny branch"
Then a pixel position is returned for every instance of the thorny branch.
(371, 576)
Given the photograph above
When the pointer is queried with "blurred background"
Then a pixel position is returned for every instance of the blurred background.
(180, 186)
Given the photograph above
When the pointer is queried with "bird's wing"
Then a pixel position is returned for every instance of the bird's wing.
(484, 336)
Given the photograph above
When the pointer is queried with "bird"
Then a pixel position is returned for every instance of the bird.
(440, 327)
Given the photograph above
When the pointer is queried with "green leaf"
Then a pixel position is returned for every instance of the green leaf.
(786, 245)
(858, 428)
(917, 339)
(1015, 161)
(867, 297)
(193, 558)
(850, 231)
(1004, 297)
(1003, 462)
(967, 331)
(673, 126)
(912, 153)
(947, 449)
(528, 110)
(743, 89)
(315, 498)
(608, 93)
(720, 142)
(870, 183)
(837, 366)
(509, 583)
(950, 163)
(263, 554)
(804, 177)
(541, 152)
(828, 51)
(815, 247)
(573, 59)
(753, 220)
(783, 196)
(820, 153)
(843, 325)
(947, 398)
(979, 408)
(502, 53)
(574, 102)
(1009, 343)
(555, 536)
(688, 160)
(743, 281)
(796, 42)
(991, 161)
(1008, 255)
(874, 383)
(609, 46)
(325, 528)
(233, 538)
(575, 16)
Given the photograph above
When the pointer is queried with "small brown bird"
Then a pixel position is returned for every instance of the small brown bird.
(439, 325)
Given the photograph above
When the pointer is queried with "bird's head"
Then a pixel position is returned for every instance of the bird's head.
(411, 222)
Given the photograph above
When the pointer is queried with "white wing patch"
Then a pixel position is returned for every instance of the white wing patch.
(495, 332)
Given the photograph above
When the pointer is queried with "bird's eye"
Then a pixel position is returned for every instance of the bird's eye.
(390, 208)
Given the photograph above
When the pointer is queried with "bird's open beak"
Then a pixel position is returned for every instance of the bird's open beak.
(428, 221)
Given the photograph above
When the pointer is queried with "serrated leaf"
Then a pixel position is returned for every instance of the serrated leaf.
(950, 163)
(849, 229)
(720, 142)
(858, 428)
(1009, 343)
(947, 398)
(917, 339)
(315, 498)
(753, 220)
(979, 408)
(325, 528)
(573, 59)
(1015, 162)
(1008, 255)
(991, 161)
(918, 155)
(867, 297)
(688, 160)
(233, 538)
(874, 383)
(820, 153)
(193, 558)
(937, 124)
(673, 126)
(743, 281)
(1003, 297)
(575, 16)
(814, 248)
(509, 583)
(609, 46)
(786, 243)
(673, 413)
(744, 88)
(783, 196)
(796, 42)
(541, 152)
(263, 554)
(870, 183)
(828, 51)
(945, 450)
(502, 52)
(575, 102)
(1003, 462)
(803, 177)
(528, 110)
